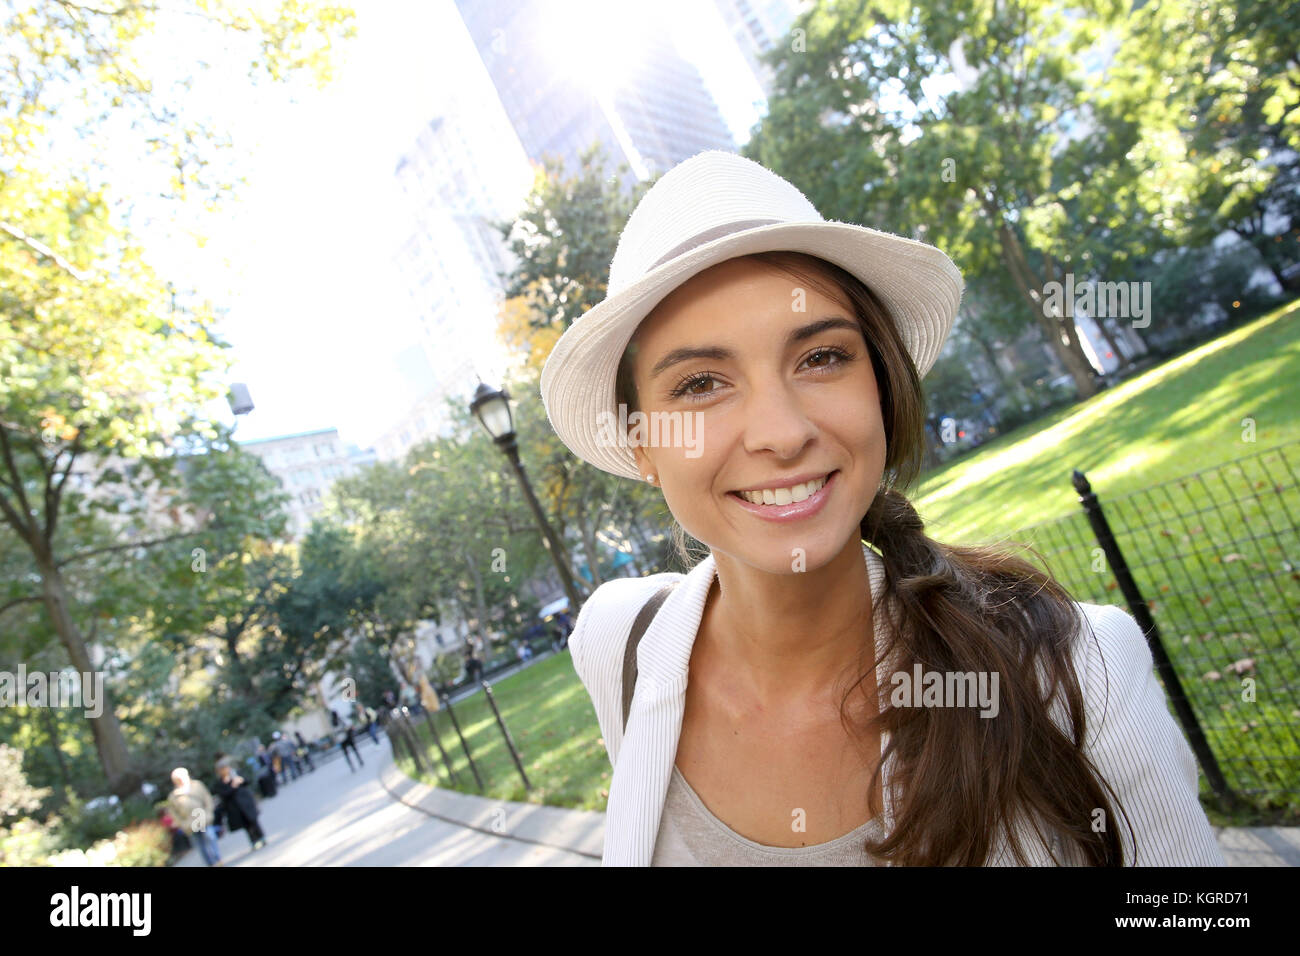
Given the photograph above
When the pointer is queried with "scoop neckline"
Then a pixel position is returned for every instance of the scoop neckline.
(873, 823)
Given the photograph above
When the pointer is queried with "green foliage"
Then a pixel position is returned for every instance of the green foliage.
(1033, 139)
(106, 365)
(83, 827)
(17, 796)
(28, 842)
(564, 238)
(80, 69)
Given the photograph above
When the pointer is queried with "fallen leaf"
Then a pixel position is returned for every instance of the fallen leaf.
(1243, 665)
(1213, 675)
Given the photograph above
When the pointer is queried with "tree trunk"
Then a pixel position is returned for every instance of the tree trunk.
(592, 552)
(1060, 331)
(1120, 358)
(110, 744)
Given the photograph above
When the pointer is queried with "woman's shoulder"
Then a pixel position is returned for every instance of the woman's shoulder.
(1111, 645)
(1140, 750)
(606, 617)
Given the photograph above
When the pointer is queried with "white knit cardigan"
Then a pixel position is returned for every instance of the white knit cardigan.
(1131, 737)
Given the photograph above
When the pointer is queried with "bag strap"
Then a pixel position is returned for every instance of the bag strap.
(639, 627)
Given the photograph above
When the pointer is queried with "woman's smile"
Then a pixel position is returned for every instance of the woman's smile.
(787, 501)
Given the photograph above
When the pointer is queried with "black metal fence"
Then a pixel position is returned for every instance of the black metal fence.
(1209, 565)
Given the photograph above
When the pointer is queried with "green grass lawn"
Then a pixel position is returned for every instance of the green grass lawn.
(1180, 417)
(1214, 555)
(1171, 420)
(553, 725)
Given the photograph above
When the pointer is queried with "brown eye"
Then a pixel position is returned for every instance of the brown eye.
(686, 388)
(840, 355)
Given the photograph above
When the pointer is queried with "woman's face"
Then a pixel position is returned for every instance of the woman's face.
(781, 387)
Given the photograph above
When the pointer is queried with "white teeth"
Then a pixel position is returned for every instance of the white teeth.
(784, 496)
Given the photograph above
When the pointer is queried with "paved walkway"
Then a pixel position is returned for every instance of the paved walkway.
(335, 817)
(377, 816)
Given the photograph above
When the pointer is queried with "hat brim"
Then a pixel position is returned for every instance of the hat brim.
(917, 283)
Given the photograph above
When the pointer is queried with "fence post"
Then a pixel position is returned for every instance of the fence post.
(451, 712)
(510, 744)
(412, 742)
(437, 739)
(1164, 666)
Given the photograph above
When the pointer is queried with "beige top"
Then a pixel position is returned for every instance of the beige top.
(689, 835)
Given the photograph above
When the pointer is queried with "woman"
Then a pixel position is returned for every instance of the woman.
(775, 360)
(238, 804)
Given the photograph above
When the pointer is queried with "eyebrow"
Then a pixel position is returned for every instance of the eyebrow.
(720, 354)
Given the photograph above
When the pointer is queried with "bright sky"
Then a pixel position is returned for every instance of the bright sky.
(320, 323)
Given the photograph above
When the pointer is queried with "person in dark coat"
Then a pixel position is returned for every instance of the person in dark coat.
(349, 740)
(239, 804)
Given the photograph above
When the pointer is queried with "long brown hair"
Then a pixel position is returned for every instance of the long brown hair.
(959, 778)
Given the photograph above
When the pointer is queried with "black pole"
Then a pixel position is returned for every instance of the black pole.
(413, 742)
(1142, 614)
(451, 712)
(514, 754)
(553, 545)
(437, 739)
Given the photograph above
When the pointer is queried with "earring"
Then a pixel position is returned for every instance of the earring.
(650, 478)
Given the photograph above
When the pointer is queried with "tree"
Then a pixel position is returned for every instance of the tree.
(976, 126)
(563, 243)
(1239, 110)
(82, 69)
(564, 238)
(97, 362)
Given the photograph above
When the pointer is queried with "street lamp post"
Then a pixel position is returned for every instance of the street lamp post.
(491, 407)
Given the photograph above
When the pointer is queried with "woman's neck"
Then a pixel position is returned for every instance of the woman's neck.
(787, 640)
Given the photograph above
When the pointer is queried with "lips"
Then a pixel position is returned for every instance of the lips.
(785, 493)
(792, 510)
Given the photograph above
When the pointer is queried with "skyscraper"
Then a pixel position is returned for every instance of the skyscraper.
(756, 26)
(568, 77)
(464, 173)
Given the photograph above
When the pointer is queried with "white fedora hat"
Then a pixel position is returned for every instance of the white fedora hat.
(713, 207)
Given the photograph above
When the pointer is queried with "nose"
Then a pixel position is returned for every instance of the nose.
(776, 421)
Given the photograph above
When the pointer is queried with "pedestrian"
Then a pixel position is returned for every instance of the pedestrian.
(192, 809)
(474, 667)
(348, 740)
(798, 345)
(286, 751)
(304, 751)
(368, 721)
(238, 804)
